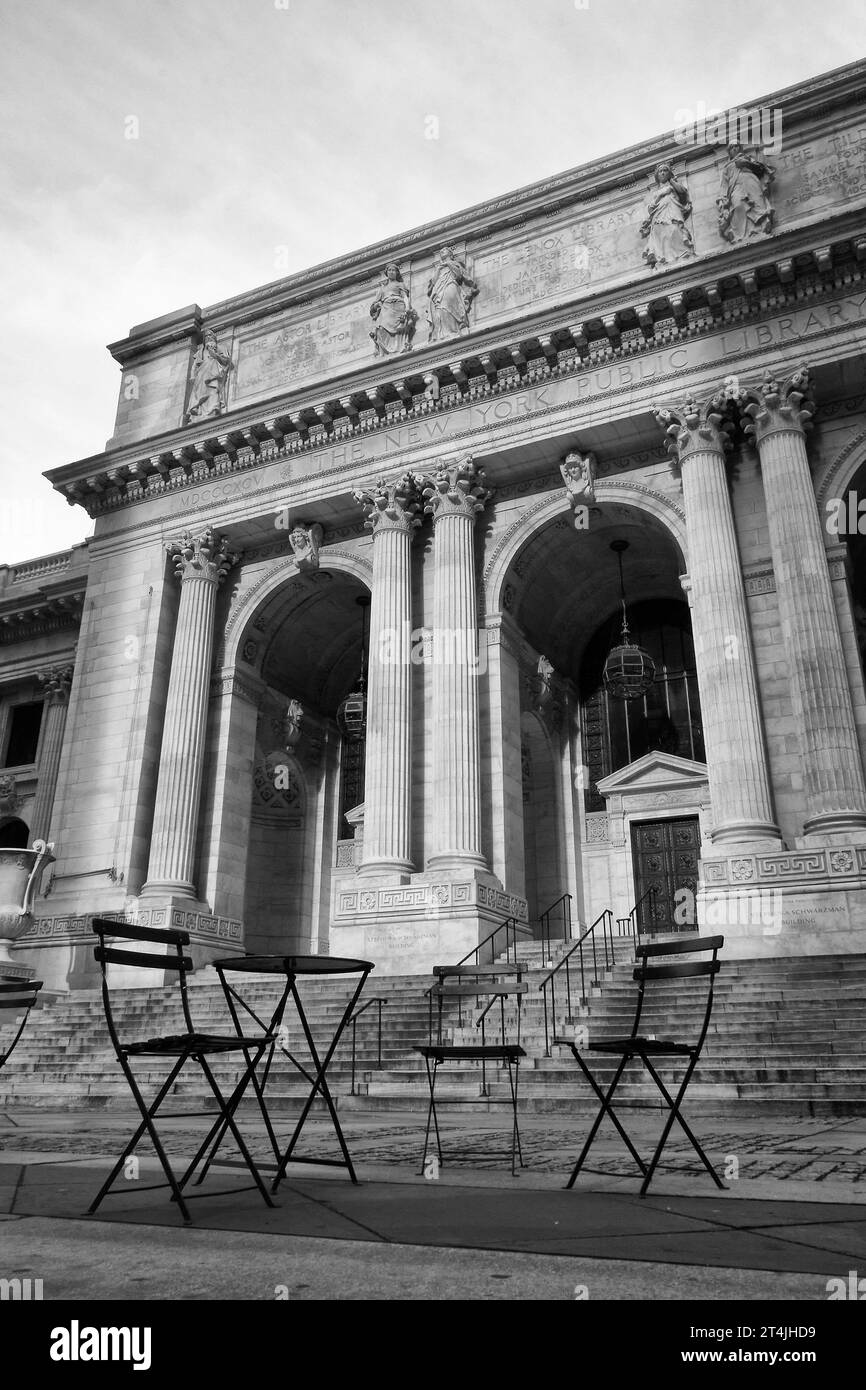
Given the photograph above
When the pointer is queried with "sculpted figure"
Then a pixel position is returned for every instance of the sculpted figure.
(745, 210)
(292, 723)
(450, 292)
(667, 235)
(578, 474)
(305, 541)
(392, 314)
(210, 374)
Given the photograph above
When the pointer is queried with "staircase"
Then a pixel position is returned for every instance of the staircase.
(787, 1037)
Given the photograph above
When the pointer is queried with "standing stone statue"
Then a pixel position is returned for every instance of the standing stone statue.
(392, 314)
(210, 373)
(745, 210)
(665, 225)
(450, 293)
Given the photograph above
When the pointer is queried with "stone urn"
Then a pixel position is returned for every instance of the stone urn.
(20, 876)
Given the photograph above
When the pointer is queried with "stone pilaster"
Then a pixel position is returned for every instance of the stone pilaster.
(56, 682)
(454, 496)
(777, 416)
(392, 515)
(733, 727)
(201, 563)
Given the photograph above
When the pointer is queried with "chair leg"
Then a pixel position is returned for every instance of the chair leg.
(431, 1114)
(147, 1124)
(227, 1109)
(606, 1109)
(674, 1114)
(514, 1078)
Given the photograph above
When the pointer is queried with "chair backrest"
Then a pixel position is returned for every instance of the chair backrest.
(490, 983)
(171, 960)
(17, 998)
(706, 948)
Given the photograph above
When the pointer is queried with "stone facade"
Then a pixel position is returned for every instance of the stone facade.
(459, 422)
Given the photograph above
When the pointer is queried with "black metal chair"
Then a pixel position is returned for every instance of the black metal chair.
(493, 982)
(16, 997)
(647, 1048)
(182, 1047)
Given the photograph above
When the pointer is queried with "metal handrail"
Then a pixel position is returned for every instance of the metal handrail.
(510, 922)
(544, 922)
(634, 915)
(605, 919)
(378, 999)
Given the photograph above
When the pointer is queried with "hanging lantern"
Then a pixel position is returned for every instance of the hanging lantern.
(629, 670)
(352, 713)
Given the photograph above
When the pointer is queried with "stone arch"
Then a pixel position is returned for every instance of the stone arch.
(276, 575)
(836, 476)
(646, 499)
(14, 833)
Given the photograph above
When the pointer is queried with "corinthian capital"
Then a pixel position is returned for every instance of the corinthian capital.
(56, 682)
(455, 489)
(696, 429)
(778, 407)
(205, 557)
(391, 506)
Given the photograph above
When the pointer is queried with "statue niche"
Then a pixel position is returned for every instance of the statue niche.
(450, 292)
(209, 379)
(743, 201)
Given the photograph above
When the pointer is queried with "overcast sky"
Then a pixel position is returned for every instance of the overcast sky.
(273, 134)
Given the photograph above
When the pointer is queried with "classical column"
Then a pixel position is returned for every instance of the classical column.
(835, 795)
(391, 510)
(733, 728)
(454, 496)
(201, 563)
(56, 682)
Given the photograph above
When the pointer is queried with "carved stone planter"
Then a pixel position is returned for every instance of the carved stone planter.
(20, 876)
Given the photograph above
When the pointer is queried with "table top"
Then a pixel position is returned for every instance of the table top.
(294, 965)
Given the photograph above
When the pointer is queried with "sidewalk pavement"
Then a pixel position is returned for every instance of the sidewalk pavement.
(793, 1215)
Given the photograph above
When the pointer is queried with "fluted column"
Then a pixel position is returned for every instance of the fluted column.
(392, 515)
(730, 708)
(454, 496)
(56, 682)
(778, 414)
(201, 563)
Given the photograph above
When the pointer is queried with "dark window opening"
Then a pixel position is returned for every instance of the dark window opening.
(25, 722)
(352, 782)
(14, 835)
(667, 717)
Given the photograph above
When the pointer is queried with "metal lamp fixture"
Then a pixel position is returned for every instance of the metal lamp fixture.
(629, 670)
(352, 714)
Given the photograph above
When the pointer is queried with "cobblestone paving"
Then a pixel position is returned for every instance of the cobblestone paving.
(798, 1149)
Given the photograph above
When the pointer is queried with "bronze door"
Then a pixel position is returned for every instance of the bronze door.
(666, 857)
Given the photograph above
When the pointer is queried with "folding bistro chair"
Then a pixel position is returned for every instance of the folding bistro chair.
(16, 997)
(647, 1049)
(182, 1047)
(493, 982)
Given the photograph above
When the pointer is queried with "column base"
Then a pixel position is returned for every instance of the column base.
(761, 834)
(399, 869)
(835, 825)
(456, 861)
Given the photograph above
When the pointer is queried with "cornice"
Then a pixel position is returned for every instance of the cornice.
(275, 429)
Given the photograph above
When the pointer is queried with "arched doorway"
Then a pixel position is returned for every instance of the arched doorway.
(304, 643)
(562, 591)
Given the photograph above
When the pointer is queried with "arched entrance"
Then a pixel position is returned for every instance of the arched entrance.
(561, 591)
(302, 643)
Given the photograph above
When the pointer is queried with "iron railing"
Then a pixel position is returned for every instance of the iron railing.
(378, 999)
(636, 915)
(562, 909)
(548, 984)
(510, 925)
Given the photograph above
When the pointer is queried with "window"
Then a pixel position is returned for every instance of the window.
(25, 722)
(618, 732)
